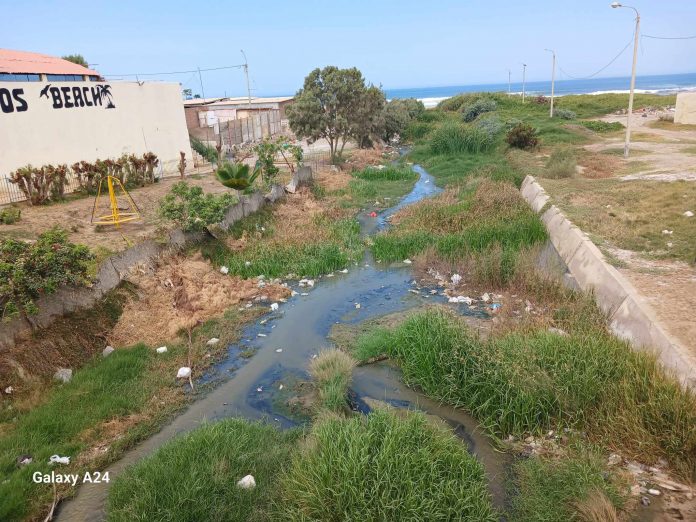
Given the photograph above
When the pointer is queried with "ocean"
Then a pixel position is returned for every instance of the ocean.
(662, 84)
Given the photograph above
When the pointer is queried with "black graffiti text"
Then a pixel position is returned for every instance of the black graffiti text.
(69, 97)
(12, 100)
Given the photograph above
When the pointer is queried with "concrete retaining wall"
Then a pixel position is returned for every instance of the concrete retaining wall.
(115, 268)
(630, 317)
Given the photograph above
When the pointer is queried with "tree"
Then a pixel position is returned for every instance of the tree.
(188, 94)
(76, 58)
(330, 105)
(398, 114)
(368, 119)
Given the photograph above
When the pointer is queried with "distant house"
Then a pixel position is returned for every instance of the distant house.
(23, 66)
(209, 112)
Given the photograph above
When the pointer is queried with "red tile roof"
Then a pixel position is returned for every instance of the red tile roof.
(22, 62)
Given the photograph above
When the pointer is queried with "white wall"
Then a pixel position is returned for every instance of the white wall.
(686, 108)
(54, 129)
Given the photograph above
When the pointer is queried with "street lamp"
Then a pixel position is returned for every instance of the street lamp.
(524, 79)
(553, 78)
(627, 144)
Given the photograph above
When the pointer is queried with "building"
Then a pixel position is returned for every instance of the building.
(22, 66)
(57, 112)
(685, 111)
(207, 112)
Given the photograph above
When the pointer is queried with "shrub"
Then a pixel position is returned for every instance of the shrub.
(541, 100)
(191, 210)
(40, 184)
(522, 136)
(416, 130)
(237, 176)
(602, 126)
(666, 116)
(455, 138)
(398, 114)
(10, 215)
(209, 153)
(561, 164)
(564, 114)
(332, 371)
(474, 110)
(383, 467)
(28, 271)
(491, 125)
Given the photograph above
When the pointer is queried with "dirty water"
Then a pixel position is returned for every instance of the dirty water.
(284, 342)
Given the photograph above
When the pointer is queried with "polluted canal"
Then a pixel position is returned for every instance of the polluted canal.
(283, 343)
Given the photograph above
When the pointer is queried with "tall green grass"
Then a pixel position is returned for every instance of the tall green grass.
(383, 468)
(389, 173)
(561, 164)
(454, 138)
(332, 371)
(533, 381)
(193, 477)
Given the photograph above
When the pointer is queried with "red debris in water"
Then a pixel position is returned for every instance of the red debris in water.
(373, 214)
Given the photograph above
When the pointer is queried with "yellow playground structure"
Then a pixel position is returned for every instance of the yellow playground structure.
(117, 215)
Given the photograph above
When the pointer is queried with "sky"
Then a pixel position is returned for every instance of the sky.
(396, 44)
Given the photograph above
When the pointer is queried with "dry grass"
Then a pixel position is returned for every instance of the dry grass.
(596, 507)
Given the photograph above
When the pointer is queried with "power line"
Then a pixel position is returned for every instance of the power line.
(670, 37)
(180, 72)
(600, 70)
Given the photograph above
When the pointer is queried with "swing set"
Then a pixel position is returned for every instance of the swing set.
(118, 215)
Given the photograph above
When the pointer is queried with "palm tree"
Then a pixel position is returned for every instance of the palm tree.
(105, 92)
(236, 175)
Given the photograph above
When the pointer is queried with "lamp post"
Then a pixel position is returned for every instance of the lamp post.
(524, 80)
(553, 78)
(627, 144)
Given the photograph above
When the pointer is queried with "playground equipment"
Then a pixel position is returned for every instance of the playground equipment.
(118, 215)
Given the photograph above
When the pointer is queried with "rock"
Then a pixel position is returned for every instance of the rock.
(645, 501)
(212, 341)
(107, 351)
(456, 279)
(224, 270)
(57, 459)
(183, 373)
(274, 307)
(688, 213)
(161, 349)
(655, 492)
(63, 375)
(614, 459)
(247, 482)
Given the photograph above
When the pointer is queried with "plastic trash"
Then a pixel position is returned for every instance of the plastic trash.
(224, 270)
(161, 349)
(357, 305)
(667, 232)
(279, 350)
(373, 214)
(247, 482)
(183, 373)
(688, 213)
(274, 307)
(247, 263)
(212, 341)
(9, 390)
(407, 261)
(63, 375)
(107, 351)
(495, 307)
(344, 271)
(461, 299)
(486, 297)
(57, 459)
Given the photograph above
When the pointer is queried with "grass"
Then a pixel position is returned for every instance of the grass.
(491, 216)
(193, 477)
(602, 126)
(531, 381)
(274, 259)
(457, 138)
(382, 468)
(332, 371)
(558, 490)
(373, 184)
(561, 164)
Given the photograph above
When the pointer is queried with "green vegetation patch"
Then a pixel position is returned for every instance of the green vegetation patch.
(194, 476)
(383, 467)
(602, 126)
(332, 371)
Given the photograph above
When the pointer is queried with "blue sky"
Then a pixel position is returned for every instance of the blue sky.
(397, 44)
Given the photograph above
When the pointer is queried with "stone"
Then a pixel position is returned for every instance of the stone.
(107, 351)
(247, 482)
(63, 375)
(655, 492)
(161, 349)
(183, 373)
(212, 341)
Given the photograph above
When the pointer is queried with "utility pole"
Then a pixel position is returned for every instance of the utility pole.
(246, 73)
(524, 80)
(627, 144)
(553, 78)
(509, 81)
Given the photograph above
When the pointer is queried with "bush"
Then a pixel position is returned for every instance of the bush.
(191, 210)
(383, 467)
(455, 138)
(564, 114)
(602, 126)
(491, 125)
(28, 271)
(522, 136)
(561, 164)
(209, 153)
(40, 185)
(474, 110)
(416, 130)
(10, 215)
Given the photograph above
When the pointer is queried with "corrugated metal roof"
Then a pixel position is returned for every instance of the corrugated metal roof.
(22, 62)
(237, 100)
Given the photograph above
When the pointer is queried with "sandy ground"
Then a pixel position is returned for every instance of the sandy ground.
(74, 216)
(670, 286)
